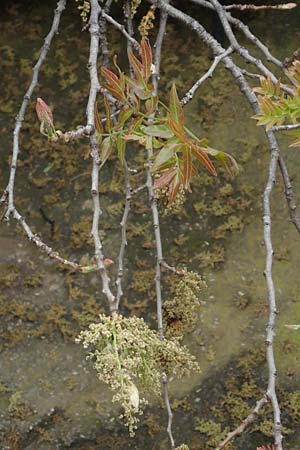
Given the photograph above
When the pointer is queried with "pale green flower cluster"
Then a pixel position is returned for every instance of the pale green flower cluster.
(131, 358)
(85, 10)
(180, 313)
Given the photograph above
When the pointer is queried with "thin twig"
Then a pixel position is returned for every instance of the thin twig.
(286, 127)
(241, 50)
(237, 23)
(121, 28)
(94, 86)
(129, 25)
(271, 391)
(289, 194)
(21, 115)
(190, 94)
(245, 424)
(158, 47)
(123, 234)
(48, 250)
(241, 7)
(274, 155)
(102, 29)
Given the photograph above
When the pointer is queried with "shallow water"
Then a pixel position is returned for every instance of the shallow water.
(50, 395)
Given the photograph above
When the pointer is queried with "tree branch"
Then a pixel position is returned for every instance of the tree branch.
(21, 115)
(190, 94)
(94, 86)
(245, 424)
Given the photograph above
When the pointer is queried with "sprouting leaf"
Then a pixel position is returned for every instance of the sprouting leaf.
(226, 160)
(160, 131)
(165, 178)
(201, 155)
(45, 116)
(98, 122)
(146, 55)
(114, 85)
(124, 115)
(151, 104)
(176, 111)
(108, 124)
(174, 188)
(105, 150)
(164, 155)
(177, 129)
(121, 146)
(187, 167)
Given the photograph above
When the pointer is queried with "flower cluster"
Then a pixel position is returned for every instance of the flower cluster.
(130, 357)
(180, 313)
(85, 9)
(147, 22)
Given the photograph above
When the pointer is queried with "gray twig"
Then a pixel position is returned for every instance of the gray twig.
(94, 86)
(190, 94)
(242, 7)
(158, 47)
(245, 424)
(274, 155)
(21, 115)
(289, 194)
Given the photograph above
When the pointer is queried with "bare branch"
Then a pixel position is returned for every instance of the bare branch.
(286, 127)
(271, 391)
(237, 23)
(245, 424)
(122, 29)
(103, 38)
(241, 7)
(48, 250)
(94, 86)
(123, 234)
(274, 155)
(21, 115)
(288, 190)
(158, 47)
(190, 94)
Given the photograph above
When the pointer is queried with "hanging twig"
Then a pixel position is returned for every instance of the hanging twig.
(190, 94)
(21, 115)
(289, 194)
(158, 47)
(241, 7)
(245, 424)
(274, 155)
(94, 86)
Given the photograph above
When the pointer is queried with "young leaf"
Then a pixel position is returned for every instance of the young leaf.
(202, 156)
(121, 145)
(114, 85)
(165, 154)
(187, 167)
(98, 122)
(165, 178)
(226, 160)
(161, 131)
(45, 116)
(108, 124)
(105, 150)
(176, 111)
(146, 55)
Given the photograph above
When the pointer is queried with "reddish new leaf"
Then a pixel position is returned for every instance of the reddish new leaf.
(177, 129)
(105, 150)
(109, 123)
(146, 55)
(202, 156)
(165, 178)
(114, 85)
(176, 111)
(98, 122)
(43, 111)
(187, 167)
